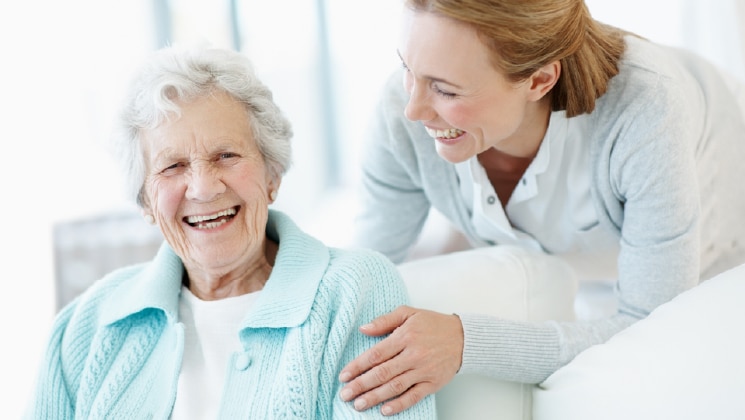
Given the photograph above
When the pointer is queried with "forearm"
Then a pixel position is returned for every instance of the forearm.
(529, 352)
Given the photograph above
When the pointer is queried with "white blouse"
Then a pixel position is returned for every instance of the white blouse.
(210, 338)
(551, 208)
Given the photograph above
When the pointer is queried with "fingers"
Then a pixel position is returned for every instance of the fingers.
(372, 357)
(399, 386)
(372, 380)
(382, 351)
(417, 359)
(385, 324)
(407, 399)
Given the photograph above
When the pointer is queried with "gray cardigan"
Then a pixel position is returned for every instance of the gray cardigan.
(667, 156)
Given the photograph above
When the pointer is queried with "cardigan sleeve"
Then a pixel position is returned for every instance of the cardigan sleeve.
(393, 202)
(365, 286)
(647, 178)
(51, 397)
(646, 187)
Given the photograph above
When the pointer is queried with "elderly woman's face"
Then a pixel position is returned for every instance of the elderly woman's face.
(207, 184)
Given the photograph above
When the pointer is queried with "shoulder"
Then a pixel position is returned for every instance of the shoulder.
(389, 120)
(75, 326)
(654, 101)
(361, 262)
(87, 310)
(364, 276)
(650, 76)
(340, 271)
(363, 266)
(661, 80)
(100, 291)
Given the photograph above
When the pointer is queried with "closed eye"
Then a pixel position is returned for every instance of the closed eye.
(443, 93)
(173, 169)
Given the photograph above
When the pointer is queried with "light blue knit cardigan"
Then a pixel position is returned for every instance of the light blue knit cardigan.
(115, 352)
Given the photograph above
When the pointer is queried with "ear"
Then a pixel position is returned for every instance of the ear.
(273, 188)
(145, 210)
(148, 216)
(543, 80)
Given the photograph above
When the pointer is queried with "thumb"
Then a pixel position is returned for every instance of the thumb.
(385, 324)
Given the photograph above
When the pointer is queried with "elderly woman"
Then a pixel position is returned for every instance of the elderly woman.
(240, 314)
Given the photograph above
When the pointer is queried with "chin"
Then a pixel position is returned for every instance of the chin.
(458, 152)
(453, 157)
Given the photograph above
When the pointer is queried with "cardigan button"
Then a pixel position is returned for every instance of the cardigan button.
(491, 199)
(242, 362)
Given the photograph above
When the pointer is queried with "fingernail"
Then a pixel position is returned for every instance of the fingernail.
(345, 376)
(360, 404)
(346, 394)
(386, 410)
(366, 326)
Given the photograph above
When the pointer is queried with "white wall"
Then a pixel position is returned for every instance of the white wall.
(56, 79)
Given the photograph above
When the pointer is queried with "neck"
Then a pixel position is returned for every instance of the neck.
(527, 139)
(496, 160)
(250, 278)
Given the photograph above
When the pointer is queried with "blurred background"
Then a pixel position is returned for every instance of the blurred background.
(64, 69)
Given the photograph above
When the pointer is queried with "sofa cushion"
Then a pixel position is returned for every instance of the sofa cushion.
(503, 281)
(686, 360)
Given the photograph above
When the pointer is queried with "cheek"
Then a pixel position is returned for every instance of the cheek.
(494, 119)
(459, 115)
(165, 197)
(249, 179)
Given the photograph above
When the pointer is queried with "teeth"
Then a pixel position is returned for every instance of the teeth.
(448, 134)
(211, 225)
(199, 219)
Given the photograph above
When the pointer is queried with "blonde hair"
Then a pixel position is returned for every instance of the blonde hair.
(526, 35)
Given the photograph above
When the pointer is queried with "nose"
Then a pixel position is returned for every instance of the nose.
(205, 183)
(418, 108)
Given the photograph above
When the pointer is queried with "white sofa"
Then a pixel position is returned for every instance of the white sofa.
(685, 361)
(508, 282)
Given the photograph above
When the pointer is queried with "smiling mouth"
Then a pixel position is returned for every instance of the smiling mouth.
(450, 133)
(212, 221)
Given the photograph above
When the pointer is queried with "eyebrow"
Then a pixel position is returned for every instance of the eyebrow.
(164, 155)
(431, 78)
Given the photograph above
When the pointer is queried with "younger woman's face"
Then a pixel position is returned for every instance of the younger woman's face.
(464, 102)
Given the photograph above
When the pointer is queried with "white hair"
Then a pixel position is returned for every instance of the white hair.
(177, 73)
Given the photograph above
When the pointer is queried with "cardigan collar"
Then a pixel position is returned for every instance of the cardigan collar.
(285, 301)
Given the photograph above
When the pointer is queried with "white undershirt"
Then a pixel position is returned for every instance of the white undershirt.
(210, 337)
(551, 207)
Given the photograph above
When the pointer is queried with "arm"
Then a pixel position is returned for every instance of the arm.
(645, 186)
(52, 396)
(377, 288)
(393, 204)
(420, 356)
(646, 177)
